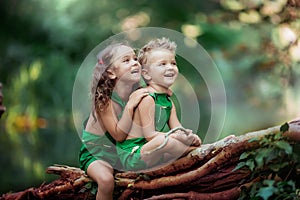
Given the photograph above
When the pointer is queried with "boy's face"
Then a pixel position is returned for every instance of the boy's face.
(161, 68)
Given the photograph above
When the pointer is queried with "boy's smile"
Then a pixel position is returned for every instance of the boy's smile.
(161, 71)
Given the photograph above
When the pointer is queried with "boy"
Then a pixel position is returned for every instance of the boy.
(147, 143)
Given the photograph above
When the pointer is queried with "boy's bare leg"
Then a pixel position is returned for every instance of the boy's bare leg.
(173, 146)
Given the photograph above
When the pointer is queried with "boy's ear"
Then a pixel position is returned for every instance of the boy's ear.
(111, 74)
(146, 75)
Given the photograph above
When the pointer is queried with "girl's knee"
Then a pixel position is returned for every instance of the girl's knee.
(105, 179)
(106, 183)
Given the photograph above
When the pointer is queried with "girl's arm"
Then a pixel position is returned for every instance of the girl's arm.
(119, 129)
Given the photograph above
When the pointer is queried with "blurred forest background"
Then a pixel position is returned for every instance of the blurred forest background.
(254, 43)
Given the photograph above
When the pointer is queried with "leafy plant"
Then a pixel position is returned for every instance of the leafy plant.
(276, 162)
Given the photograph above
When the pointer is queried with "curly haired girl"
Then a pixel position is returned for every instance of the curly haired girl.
(116, 74)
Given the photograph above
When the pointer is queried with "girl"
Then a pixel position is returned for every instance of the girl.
(116, 74)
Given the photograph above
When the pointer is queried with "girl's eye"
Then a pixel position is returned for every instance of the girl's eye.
(174, 63)
(126, 60)
(135, 59)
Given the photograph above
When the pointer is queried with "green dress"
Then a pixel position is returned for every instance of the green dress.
(100, 147)
(129, 150)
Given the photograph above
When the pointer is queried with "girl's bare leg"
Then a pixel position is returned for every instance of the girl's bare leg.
(102, 172)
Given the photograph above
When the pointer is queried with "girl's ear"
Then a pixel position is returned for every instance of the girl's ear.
(111, 74)
(146, 75)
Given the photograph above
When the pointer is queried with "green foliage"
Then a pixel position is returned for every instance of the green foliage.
(276, 162)
(42, 44)
(270, 189)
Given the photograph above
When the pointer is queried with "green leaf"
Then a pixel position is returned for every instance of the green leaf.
(244, 155)
(278, 136)
(262, 155)
(250, 164)
(284, 146)
(267, 192)
(239, 166)
(259, 159)
(284, 127)
(269, 182)
(272, 154)
(253, 139)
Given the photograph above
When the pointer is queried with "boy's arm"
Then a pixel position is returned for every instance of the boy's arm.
(187, 137)
(146, 111)
(174, 121)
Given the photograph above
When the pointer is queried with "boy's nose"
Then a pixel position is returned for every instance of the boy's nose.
(170, 66)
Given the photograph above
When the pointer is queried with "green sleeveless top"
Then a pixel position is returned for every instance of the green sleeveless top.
(163, 106)
(127, 150)
(99, 147)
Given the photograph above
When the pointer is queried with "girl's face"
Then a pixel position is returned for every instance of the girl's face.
(125, 66)
(162, 69)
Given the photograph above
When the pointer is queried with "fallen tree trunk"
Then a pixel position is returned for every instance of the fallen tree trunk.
(213, 171)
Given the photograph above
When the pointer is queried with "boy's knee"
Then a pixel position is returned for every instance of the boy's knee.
(159, 139)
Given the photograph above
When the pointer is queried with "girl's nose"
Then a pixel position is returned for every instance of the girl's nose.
(135, 63)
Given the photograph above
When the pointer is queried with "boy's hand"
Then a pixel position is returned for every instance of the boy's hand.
(188, 131)
(196, 140)
(187, 137)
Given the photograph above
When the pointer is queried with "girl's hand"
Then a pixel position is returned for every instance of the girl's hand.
(170, 92)
(136, 97)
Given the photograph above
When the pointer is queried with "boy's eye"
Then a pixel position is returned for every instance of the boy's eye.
(174, 63)
(126, 60)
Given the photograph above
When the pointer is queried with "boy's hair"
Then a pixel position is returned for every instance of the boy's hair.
(158, 43)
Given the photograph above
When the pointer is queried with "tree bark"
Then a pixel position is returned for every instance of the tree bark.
(205, 173)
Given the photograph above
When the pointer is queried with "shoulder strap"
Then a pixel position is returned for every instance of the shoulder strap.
(116, 98)
(153, 95)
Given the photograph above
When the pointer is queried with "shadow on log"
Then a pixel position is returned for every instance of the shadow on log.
(213, 171)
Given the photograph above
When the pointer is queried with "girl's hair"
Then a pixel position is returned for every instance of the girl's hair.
(102, 86)
(159, 43)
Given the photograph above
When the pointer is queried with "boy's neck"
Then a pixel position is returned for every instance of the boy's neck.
(158, 89)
